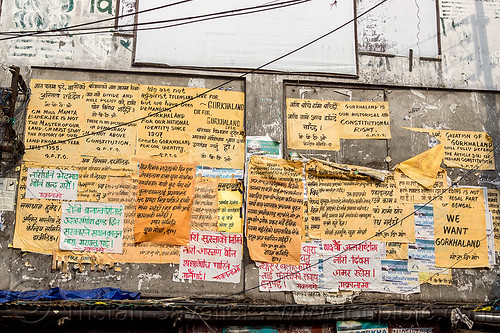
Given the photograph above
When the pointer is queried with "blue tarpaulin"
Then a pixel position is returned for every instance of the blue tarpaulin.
(56, 294)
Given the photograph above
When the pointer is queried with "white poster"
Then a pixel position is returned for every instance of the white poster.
(305, 277)
(52, 184)
(398, 279)
(92, 226)
(250, 34)
(212, 256)
(352, 265)
(8, 194)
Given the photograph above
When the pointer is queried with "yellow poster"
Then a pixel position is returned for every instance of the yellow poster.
(494, 208)
(444, 279)
(38, 221)
(315, 171)
(460, 229)
(464, 149)
(164, 198)
(409, 191)
(396, 251)
(230, 198)
(208, 130)
(312, 124)
(122, 190)
(205, 205)
(55, 113)
(364, 120)
(217, 136)
(274, 210)
(347, 205)
(108, 105)
(424, 167)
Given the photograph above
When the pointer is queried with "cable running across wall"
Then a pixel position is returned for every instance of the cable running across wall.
(211, 89)
(190, 20)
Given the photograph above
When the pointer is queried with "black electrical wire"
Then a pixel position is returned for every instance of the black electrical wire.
(352, 246)
(34, 33)
(211, 89)
(190, 19)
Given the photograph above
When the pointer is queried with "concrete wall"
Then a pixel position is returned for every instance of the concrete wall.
(423, 97)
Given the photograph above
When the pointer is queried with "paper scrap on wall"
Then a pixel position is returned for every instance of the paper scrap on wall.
(230, 201)
(212, 256)
(274, 210)
(424, 167)
(8, 194)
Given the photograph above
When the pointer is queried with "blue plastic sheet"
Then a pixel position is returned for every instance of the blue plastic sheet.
(55, 294)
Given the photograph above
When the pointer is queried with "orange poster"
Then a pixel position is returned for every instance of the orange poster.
(164, 198)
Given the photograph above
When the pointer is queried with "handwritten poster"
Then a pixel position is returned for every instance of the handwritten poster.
(164, 198)
(305, 277)
(108, 105)
(464, 149)
(350, 265)
(358, 209)
(122, 190)
(409, 191)
(230, 201)
(38, 222)
(364, 120)
(218, 136)
(460, 229)
(7, 193)
(494, 208)
(312, 124)
(52, 184)
(316, 172)
(212, 256)
(96, 227)
(204, 211)
(274, 210)
(208, 129)
(55, 113)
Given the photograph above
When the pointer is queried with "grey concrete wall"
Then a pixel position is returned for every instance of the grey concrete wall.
(420, 98)
(265, 95)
